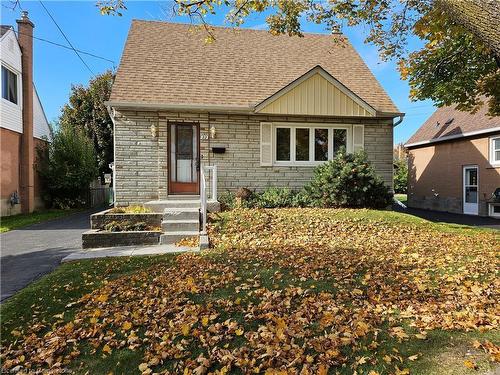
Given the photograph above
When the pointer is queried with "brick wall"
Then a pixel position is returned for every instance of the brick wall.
(141, 160)
(436, 174)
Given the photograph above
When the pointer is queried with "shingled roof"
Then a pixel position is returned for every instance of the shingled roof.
(448, 123)
(169, 64)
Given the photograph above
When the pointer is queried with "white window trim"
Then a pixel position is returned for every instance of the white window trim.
(311, 126)
(490, 210)
(492, 151)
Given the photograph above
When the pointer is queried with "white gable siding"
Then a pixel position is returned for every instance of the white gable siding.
(10, 56)
(40, 124)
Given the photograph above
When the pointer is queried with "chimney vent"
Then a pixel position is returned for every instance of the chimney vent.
(24, 15)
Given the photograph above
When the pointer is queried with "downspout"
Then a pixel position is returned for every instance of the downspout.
(401, 117)
(111, 114)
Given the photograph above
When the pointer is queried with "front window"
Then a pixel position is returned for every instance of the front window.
(301, 144)
(283, 144)
(9, 85)
(308, 145)
(495, 150)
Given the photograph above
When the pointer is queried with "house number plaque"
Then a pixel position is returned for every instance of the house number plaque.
(204, 136)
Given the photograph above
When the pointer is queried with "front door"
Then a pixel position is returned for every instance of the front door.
(184, 158)
(471, 192)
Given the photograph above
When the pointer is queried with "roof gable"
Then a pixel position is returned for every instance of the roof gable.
(315, 93)
(168, 64)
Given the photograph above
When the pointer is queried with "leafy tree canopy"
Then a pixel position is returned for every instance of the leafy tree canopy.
(459, 61)
(86, 111)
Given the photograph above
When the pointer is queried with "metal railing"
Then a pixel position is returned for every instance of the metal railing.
(203, 192)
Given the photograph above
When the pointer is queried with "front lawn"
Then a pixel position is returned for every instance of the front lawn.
(17, 221)
(305, 291)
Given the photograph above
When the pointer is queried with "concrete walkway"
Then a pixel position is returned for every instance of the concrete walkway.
(446, 217)
(30, 252)
(126, 251)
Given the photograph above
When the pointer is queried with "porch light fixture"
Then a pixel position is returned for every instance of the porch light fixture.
(154, 131)
(212, 132)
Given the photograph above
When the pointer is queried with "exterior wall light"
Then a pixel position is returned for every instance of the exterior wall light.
(154, 131)
(212, 132)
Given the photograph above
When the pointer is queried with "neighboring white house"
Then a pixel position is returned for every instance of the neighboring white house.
(14, 125)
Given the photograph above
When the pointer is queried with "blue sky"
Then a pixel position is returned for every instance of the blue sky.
(56, 68)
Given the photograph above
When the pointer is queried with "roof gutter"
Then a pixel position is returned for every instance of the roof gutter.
(451, 137)
(181, 107)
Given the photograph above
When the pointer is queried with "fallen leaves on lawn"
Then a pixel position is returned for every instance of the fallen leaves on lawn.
(284, 291)
(193, 241)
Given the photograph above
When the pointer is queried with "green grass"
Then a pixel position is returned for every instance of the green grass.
(403, 198)
(18, 221)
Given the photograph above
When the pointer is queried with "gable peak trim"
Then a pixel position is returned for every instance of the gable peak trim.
(318, 69)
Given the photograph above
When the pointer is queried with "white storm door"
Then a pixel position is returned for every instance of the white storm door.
(471, 190)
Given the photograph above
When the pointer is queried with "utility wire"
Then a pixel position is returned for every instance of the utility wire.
(63, 46)
(67, 40)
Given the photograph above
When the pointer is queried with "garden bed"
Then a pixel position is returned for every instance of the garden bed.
(125, 226)
(95, 238)
(101, 219)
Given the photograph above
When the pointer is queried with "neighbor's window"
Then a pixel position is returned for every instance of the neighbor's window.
(495, 150)
(308, 145)
(9, 85)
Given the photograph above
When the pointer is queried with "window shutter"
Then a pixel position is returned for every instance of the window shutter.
(266, 144)
(358, 137)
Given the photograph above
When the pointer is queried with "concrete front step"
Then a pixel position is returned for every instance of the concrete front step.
(173, 237)
(177, 225)
(181, 214)
(160, 206)
(181, 203)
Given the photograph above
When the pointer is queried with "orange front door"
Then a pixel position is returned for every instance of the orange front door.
(184, 158)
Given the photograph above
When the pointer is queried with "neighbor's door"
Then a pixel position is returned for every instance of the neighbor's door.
(471, 193)
(184, 158)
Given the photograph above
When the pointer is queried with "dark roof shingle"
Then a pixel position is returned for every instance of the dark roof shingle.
(167, 63)
(439, 126)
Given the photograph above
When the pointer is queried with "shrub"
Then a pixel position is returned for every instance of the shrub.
(401, 176)
(113, 226)
(67, 167)
(227, 201)
(276, 197)
(130, 210)
(348, 180)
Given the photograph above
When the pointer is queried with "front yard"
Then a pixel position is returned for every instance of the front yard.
(305, 291)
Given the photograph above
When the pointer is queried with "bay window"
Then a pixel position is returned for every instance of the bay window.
(307, 144)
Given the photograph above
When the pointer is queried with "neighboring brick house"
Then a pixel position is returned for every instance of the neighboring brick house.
(454, 163)
(264, 109)
(23, 125)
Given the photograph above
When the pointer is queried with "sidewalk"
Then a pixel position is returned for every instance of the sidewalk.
(127, 251)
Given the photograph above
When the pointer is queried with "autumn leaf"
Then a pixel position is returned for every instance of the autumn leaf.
(126, 326)
(470, 364)
(106, 349)
(185, 329)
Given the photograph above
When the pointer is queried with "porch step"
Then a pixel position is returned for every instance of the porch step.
(182, 203)
(160, 205)
(173, 237)
(178, 225)
(181, 214)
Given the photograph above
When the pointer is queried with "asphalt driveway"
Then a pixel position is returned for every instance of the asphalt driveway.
(447, 217)
(30, 252)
